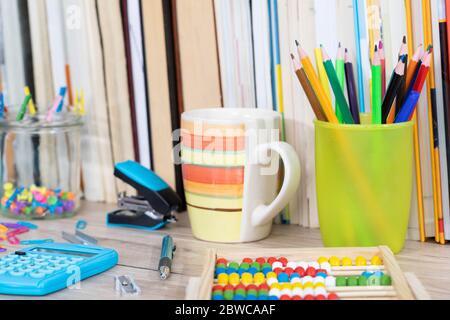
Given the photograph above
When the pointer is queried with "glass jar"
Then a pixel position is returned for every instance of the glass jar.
(40, 166)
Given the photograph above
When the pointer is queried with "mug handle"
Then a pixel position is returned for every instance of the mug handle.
(292, 172)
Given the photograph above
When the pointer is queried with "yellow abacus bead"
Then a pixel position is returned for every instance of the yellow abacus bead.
(334, 262)
(308, 285)
(347, 262)
(297, 285)
(361, 261)
(271, 275)
(259, 278)
(319, 285)
(275, 286)
(286, 286)
(322, 260)
(234, 279)
(222, 279)
(376, 261)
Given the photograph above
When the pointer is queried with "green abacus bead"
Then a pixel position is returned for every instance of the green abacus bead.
(363, 281)
(266, 265)
(352, 281)
(245, 266)
(263, 293)
(228, 295)
(341, 281)
(234, 265)
(241, 292)
(256, 265)
(221, 265)
(386, 280)
(252, 293)
(374, 281)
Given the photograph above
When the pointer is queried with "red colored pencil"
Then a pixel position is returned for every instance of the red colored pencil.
(383, 68)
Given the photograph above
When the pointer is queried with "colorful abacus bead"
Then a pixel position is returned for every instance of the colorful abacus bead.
(360, 261)
(376, 261)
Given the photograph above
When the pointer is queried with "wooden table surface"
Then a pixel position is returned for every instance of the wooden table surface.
(139, 253)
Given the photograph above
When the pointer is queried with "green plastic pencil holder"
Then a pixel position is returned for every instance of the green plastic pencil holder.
(364, 183)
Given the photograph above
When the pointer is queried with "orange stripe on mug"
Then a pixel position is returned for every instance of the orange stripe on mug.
(213, 130)
(224, 190)
(210, 175)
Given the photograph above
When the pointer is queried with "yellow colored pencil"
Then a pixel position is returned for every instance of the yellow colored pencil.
(314, 79)
(31, 106)
(322, 73)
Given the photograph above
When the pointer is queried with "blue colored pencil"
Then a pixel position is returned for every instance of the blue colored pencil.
(359, 56)
(62, 93)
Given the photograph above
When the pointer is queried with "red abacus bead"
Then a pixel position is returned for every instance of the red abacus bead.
(296, 298)
(300, 271)
(333, 296)
(240, 286)
(252, 287)
(278, 270)
(309, 297)
(283, 260)
(217, 288)
(271, 260)
(221, 260)
(285, 297)
(261, 260)
(247, 260)
(322, 271)
(289, 271)
(228, 287)
(321, 297)
(311, 272)
(264, 286)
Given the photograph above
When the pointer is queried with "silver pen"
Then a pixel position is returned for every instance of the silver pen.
(165, 261)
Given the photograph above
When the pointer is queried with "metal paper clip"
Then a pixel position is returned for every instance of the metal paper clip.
(125, 286)
(86, 238)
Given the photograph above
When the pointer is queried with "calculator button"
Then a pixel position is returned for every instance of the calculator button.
(47, 271)
(17, 273)
(32, 255)
(77, 259)
(54, 267)
(39, 260)
(37, 275)
(10, 268)
(63, 264)
(46, 257)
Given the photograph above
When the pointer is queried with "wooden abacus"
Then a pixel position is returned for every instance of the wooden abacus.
(404, 286)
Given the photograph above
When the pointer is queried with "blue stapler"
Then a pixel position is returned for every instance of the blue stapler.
(155, 205)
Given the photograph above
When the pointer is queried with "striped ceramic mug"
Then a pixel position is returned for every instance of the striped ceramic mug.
(230, 160)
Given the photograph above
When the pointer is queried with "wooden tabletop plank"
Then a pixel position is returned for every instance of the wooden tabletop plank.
(139, 255)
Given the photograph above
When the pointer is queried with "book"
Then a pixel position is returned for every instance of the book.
(137, 69)
(235, 44)
(158, 89)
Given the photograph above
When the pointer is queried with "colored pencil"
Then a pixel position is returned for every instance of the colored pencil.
(69, 85)
(392, 91)
(376, 88)
(315, 83)
(321, 72)
(443, 36)
(309, 91)
(410, 104)
(432, 120)
(337, 89)
(418, 161)
(383, 68)
(23, 108)
(414, 66)
(351, 88)
(340, 72)
(2, 105)
(402, 90)
(82, 110)
(54, 109)
(62, 94)
(31, 106)
(359, 26)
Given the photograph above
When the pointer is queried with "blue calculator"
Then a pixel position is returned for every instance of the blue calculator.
(47, 268)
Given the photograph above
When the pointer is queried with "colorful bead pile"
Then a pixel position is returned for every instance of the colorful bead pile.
(10, 231)
(280, 279)
(36, 202)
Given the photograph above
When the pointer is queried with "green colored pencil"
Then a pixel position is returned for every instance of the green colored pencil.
(342, 104)
(376, 89)
(23, 108)
(340, 72)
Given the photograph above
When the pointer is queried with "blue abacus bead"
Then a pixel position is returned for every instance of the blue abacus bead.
(378, 274)
(252, 271)
(367, 274)
(220, 271)
(263, 297)
(218, 297)
(321, 274)
(241, 272)
(252, 298)
(273, 298)
(283, 277)
(231, 270)
(238, 297)
(265, 271)
(295, 275)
